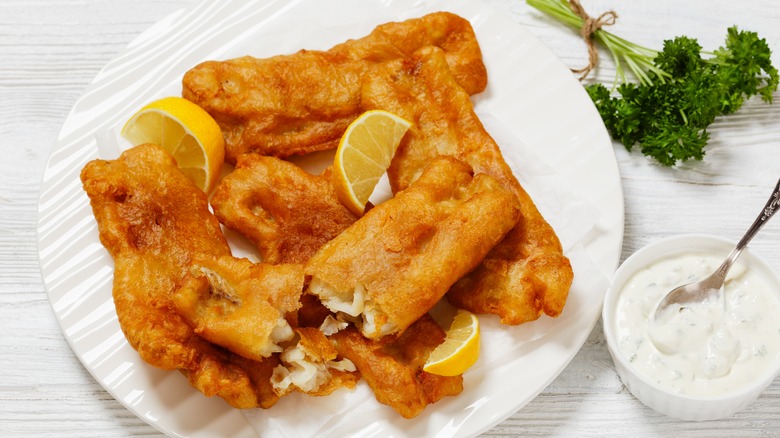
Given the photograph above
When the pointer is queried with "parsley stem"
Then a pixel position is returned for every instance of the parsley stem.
(638, 59)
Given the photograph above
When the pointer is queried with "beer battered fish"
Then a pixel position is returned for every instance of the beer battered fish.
(526, 274)
(286, 212)
(240, 305)
(153, 221)
(393, 368)
(303, 102)
(243, 307)
(391, 266)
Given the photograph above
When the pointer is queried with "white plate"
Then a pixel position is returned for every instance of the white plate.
(530, 93)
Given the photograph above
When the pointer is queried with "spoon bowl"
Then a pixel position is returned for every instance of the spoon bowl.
(712, 285)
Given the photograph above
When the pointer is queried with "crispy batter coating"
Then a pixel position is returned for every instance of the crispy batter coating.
(393, 367)
(242, 382)
(392, 265)
(153, 221)
(312, 312)
(285, 211)
(526, 274)
(303, 102)
(240, 305)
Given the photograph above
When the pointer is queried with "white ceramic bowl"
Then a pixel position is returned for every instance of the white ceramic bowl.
(661, 398)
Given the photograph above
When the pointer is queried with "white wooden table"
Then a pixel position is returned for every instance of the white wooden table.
(50, 50)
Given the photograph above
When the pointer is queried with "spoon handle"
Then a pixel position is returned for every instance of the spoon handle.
(770, 208)
(772, 205)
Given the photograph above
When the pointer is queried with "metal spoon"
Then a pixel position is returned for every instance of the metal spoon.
(712, 285)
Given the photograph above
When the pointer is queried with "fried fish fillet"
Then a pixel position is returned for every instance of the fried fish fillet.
(286, 212)
(153, 221)
(303, 102)
(526, 274)
(391, 266)
(240, 305)
(393, 369)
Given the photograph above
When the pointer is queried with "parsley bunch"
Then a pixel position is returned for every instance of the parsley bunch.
(680, 93)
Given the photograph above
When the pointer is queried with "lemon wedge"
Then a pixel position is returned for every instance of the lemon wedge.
(187, 132)
(364, 154)
(460, 348)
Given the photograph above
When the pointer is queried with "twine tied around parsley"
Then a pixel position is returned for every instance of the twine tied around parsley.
(589, 26)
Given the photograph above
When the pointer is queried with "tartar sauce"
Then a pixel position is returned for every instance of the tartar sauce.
(706, 348)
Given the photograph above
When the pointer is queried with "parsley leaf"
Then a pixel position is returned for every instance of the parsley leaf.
(679, 92)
